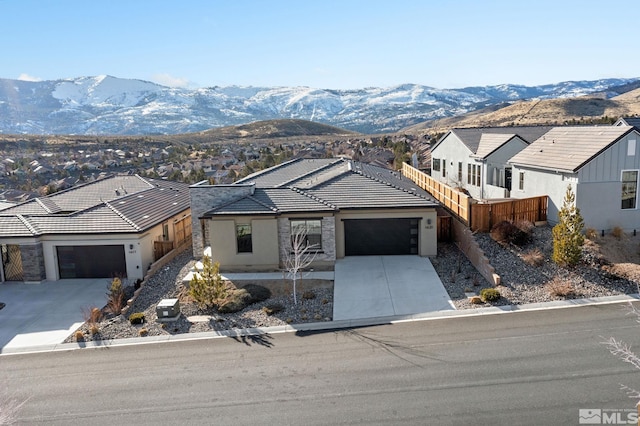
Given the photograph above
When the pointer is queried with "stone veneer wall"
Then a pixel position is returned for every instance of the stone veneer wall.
(33, 269)
(205, 197)
(328, 254)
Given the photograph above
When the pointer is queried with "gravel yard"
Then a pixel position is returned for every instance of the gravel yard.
(522, 282)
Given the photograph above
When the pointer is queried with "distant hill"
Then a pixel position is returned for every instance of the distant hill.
(594, 108)
(106, 105)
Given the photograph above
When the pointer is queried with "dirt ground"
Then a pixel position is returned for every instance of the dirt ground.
(623, 254)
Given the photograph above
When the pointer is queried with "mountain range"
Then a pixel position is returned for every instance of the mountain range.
(106, 105)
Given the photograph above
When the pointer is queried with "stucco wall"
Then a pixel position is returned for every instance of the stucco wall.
(323, 259)
(264, 238)
(428, 239)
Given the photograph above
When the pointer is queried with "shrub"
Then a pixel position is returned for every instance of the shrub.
(559, 287)
(533, 257)
(115, 297)
(79, 336)
(93, 329)
(507, 232)
(272, 308)
(617, 232)
(489, 294)
(525, 226)
(567, 234)
(136, 318)
(257, 293)
(92, 315)
(591, 234)
(308, 295)
(208, 288)
(236, 300)
(143, 332)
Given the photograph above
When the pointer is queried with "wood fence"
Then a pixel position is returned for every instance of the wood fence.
(484, 216)
(455, 201)
(479, 217)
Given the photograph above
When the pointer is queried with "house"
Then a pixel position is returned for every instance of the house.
(601, 163)
(347, 208)
(115, 226)
(475, 159)
(628, 121)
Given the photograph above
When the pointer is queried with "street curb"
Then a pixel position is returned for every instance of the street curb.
(326, 326)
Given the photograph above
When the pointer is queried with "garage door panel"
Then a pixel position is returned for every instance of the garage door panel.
(104, 261)
(381, 237)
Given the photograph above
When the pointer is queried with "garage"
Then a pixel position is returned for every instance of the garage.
(91, 261)
(381, 237)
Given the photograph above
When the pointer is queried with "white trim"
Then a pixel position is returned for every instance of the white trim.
(635, 207)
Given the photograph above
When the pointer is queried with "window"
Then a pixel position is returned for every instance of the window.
(165, 232)
(631, 147)
(243, 238)
(521, 182)
(312, 228)
(477, 175)
(459, 172)
(436, 165)
(469, 174)
(444, 168)
(629, 188)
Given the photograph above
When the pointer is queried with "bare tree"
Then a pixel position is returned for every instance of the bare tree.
(300, 255)
(623, 351)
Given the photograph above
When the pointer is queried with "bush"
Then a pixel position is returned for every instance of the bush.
(208, 288)
(79, 336)
(489, 294)
(115, 297)
(591, 234)
(308, 295)
(533, 257)
(236, 300)
(92, 315)
(136, 318)
(257, 293)
(617, 232)
(273, 308)
(559, 287)
(507, 232)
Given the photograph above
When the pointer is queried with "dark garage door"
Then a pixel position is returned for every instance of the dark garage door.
(91, 261)
(366, 237)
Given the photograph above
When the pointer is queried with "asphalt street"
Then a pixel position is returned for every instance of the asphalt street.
(536, 367)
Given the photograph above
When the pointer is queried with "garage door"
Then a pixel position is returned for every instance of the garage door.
(366, 237)
(91, 261)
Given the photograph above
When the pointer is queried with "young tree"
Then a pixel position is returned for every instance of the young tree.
(208, 288)
(567, 234)
(300, 255)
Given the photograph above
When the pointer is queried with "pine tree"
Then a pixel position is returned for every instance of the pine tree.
(567, 234)
(208, 288)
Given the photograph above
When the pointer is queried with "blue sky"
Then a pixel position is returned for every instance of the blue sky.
(342, 44)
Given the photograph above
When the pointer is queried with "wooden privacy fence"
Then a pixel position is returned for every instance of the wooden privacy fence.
(484, 216)
(456, 202)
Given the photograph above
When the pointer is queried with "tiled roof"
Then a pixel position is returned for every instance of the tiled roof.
(569, 148)
(632, 121)
(97, 208)
(471, 136)
(326, 185)
(489, 142)
(287, 172)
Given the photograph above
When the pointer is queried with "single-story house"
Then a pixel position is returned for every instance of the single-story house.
(475, 159)
(115, 226)
(347, 208)
(602, 165)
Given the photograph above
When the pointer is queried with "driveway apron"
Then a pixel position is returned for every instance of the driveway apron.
(380, 286)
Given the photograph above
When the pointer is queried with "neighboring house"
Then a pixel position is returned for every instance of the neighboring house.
(109, 227)
(475, 159)
(628, 121)
(601, 163)
(347, 208)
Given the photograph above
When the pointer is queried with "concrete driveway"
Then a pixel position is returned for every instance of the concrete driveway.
(381, 286)
(46, 313)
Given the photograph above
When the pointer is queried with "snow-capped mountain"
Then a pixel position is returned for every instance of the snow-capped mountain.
(106, 105)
